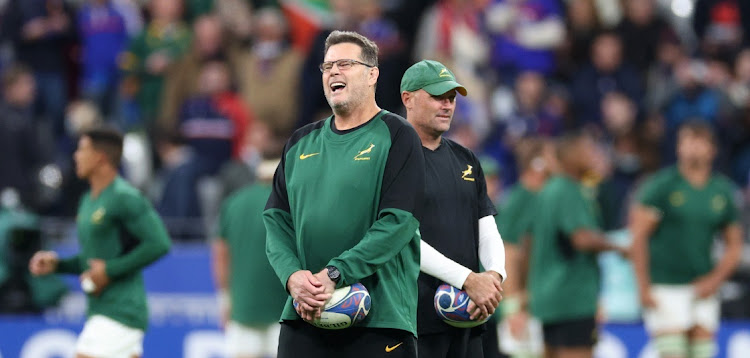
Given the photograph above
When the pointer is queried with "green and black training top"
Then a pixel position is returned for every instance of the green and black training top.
(351, 199)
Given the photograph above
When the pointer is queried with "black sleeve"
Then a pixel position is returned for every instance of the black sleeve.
(403, 177)
(278, 198)
(485, 205)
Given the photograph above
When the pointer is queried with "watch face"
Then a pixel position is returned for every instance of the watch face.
(333, 273)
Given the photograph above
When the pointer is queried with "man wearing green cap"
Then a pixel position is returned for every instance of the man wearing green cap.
(458, 228)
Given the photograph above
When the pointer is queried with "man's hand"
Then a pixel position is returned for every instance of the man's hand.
(43, 263)
(328, 285)
(484, 289)
(97, 272)
(706, 285)
(517, 323)
(308, 292)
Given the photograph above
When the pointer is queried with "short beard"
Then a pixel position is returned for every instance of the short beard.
(341, 109)
(345, 108)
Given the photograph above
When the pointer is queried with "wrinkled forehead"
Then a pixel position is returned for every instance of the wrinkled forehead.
(345, 50)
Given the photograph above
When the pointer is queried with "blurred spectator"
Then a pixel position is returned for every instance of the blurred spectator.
(525, 34)
(527, 114)
(582, 23)
(606, 73)
(21, 154)
(236, 17)
(312, 103)
(391, 55)
(693, 100)
(640, 31)
(660, 78)
(213, 125)
(40, 30)
(130, 11)
(451, 32)
(628, 154)
(103, 37)
(722, 26)
(524, 112)
(181, 80)
(739, 90)
(161, 43)
(269, 80)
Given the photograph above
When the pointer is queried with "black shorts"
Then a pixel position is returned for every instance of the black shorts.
(300, 339)
(572, 333)
(454, 343)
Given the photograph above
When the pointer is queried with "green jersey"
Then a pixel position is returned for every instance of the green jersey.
(173, 41)
(350, 199)
(563, 282)
(120, 227)
(680, 247)
(516, 214)
(241, 225)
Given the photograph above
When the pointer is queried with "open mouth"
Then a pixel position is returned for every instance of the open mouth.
(337, 87)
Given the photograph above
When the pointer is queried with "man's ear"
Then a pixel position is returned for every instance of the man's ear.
(407, 98)
(372, 77)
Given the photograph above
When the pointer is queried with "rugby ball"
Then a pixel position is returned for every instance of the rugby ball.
(451, 305)
(347, 306)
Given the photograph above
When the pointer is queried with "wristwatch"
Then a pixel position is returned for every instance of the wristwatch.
(334, 274)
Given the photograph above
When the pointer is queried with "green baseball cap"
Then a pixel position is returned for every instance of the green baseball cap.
(431, 76)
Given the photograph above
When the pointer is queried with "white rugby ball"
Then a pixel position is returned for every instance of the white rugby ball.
(347, 306)
(452, 304)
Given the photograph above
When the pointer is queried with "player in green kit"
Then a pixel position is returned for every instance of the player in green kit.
(120, 234)
(251, 297)
(345, 208)
(563, 281)
(679, 212)
(516, 214)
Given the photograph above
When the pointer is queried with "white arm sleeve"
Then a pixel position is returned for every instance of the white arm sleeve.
(491, 249)
(438, 265)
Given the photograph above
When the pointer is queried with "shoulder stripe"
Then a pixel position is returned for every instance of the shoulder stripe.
(302, 132)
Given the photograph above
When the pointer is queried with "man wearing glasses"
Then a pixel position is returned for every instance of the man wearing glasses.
(345, 209)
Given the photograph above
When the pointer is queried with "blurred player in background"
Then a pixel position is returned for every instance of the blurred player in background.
(120, 234)
(345, 208)
(563, 280)
(458, 230)
(678, 213)
(516, 215)
(250, 296)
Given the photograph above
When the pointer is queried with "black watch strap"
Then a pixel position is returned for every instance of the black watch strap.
(334, 274)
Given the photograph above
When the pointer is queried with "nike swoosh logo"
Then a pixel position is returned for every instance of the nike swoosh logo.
(389, 349)
(305, 156)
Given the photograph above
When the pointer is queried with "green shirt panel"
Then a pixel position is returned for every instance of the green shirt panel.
(340, 212)
(680, 246)
(563, 282)
(241, 225)
(121, 227)
(516, 214)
